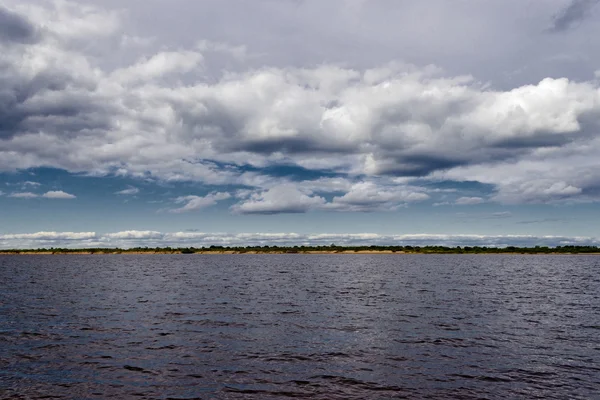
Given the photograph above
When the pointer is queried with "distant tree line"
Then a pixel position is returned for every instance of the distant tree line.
(330, 248)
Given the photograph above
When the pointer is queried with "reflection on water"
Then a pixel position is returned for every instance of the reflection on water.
(304, 326)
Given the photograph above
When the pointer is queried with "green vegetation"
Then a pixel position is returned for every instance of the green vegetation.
(316, 249)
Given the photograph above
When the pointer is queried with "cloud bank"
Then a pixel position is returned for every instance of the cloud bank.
(129, 239)
(158, 117)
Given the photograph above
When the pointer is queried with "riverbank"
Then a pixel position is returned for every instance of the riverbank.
(242, 252)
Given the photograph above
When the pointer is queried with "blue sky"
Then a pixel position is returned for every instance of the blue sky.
(233, 122)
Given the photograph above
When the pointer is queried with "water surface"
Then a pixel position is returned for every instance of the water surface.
(302, 326)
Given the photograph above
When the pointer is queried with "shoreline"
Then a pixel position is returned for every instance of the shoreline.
(253, 252)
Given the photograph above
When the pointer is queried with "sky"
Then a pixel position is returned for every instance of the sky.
(166, 123)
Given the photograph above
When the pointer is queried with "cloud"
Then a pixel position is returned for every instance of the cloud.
(470, 216)
(465, 201)
(461, 201)
(128, 239)
(15, 28)
(158, 66)
(326, 185)
(534, 191)
(47, 239)
(58, 194)
(70, 21)
(129, 192)
(367, 196)
(285, 198)
(194, 203)
(541, 221)
(576, 11)
(556, 176)
(240, 53)
(156, 115)
(24, 195)
(50, 236)
(30, 183)
(304, 196)
(134, 235)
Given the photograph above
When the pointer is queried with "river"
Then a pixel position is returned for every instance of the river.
(301, 326)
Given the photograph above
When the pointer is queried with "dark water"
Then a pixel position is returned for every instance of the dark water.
(304, 326)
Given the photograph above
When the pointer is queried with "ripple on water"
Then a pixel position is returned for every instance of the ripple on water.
(299, 326)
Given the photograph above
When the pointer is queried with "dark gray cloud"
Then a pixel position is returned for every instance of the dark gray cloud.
(418, 165)
(51, 101)
(575, 12)
(16, 28)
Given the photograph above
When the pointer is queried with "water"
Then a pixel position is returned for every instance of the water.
(303, 326)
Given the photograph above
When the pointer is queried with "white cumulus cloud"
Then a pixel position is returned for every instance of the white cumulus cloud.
(134, 235)
(58, 194)
(285, 198)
